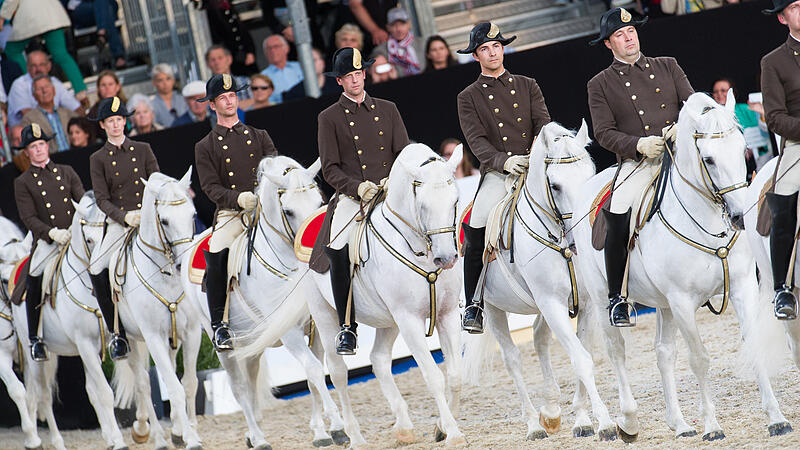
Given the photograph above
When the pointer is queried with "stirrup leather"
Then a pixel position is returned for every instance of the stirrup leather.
(613, 308)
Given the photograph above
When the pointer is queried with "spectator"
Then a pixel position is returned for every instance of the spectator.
(276, 17)
(102, 14)
(262, 88)
(9, 72)
(227, 29)
(326, 85)
(283, 73)
(381, 70)
(20, 98)
(45, 18)
(52, 119)
(81, 133)
(219, 60)
(143, 116)
(20, 159)
(403, 51)
(465, 168)
(349, 36)
(108, 85)
(167, 104)
(679, 7)
(753, 125)
(437, 54)
(198, 111)
(371, 15)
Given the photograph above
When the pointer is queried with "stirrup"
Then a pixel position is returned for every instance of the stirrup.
(113, 347)
(787, 290)
(472, 329)
(341, 336)
(39, 344)
(612, 309)
(223, 343)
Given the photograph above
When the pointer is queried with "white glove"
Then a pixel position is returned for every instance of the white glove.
(367, 190)
(133, 218)
(650, 146)
(59, 235)
(669, 132)
(516, 165)
(247, 201)
(383, 181)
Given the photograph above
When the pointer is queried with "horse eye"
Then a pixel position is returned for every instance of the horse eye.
(708, 160)
(288, 213)
(556, 139)
(555, 187)
(90, 241)
(164, 222)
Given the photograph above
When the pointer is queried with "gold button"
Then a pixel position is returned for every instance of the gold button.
(253, 170)
(496, 110)
(113, 163)
(116, 174)
(519, 119)
(224, 147)
(252, 155)
(516, 105)
(61, 188)
(491, 97)
(355, 137)
(137, 194)
(658, 90)
(621, 73)
(52, 217)
(524, 134)
(384, 164)
(249, 142)
(58, 178)
(360, 152)
(485, 85)
(65, 201)
(380, 133)
(513, 92)
(627, 84)
(47, 205)
(633, 97)
(246, 132)
(138, 205)
(363, 167)
(219, 138)
(667, 122)
(795, 53)
(647, 65)
(372, 106)
(55, 170)
(652, 76)
(347, 111)
(500, 124)
(136, 182)
(228, 160)
(641, 113)
(663, 106)
(230, 174)
(505, 138)
(233, 186)
(130, 148)
(376, 118)
(36, 175)
(135, 169)
(508, 153)
(110, 153)
(352, 123)
(381, 148)
(39, 183)
(510, 80)
(133, 159)
(646, 127)
(44, 192)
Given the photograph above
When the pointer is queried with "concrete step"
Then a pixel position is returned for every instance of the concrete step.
(494, 12)
(442, 7)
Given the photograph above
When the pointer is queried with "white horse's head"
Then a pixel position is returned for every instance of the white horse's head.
(422, 189)
(168, 214)
(288, 192)
(559, 165)
(710, 152)
(88, 224)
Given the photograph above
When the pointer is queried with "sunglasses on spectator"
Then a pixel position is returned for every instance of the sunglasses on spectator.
(261, 88)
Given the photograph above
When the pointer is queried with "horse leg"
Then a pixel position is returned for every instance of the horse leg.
(336, 428)
(381, 358)
(699, 363)
(498, 324)
(16, 390)
(666, 354)
(142, 429)
(448, 327)
(413, 331)
(47, 380)
(628, 423)
(174, 417)
(550, 413)
(245, 395)
(100, 394)
(191, 349)
(583, 423)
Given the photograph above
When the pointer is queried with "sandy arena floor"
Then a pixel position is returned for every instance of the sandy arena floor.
(490, 416)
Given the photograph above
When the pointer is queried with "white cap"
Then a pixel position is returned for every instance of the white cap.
(194, 88)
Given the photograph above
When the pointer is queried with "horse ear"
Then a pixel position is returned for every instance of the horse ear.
(186, 179)
(313, 169)
(583, 134)
(730, 101)
(455, 158)
(143, 181)
(80, 209)
(28, 241)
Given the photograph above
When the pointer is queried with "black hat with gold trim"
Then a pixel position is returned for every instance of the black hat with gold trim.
(613, 20)
(31, 134)
(482, 33)
(778, 6)
(111, 106)
(220, 84)
(346, 60)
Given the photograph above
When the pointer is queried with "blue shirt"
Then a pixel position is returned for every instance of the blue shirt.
(58, 130)
(283, 79)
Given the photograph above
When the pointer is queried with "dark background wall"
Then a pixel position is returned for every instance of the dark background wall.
(724, 42)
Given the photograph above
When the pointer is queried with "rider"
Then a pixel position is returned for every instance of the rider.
(227, 160)
(780, 84)
(44, 195)
(117, 169)
(359, 138)
(631, 101)
(500, 115)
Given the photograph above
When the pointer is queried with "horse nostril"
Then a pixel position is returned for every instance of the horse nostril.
(738, 221)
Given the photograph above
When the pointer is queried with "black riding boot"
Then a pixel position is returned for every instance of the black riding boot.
(340, 284)
(118, 347)
(616, 255)
(473, 265)
(217, 295)
(33, 297)
(781, 240)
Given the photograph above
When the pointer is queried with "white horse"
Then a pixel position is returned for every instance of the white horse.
(13, 247)
(287, 196)
(680, 258)
(414, 243)
(540, 279)
(72, 326)
(151, 309)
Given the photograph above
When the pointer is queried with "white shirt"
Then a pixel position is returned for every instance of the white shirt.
(21, 97)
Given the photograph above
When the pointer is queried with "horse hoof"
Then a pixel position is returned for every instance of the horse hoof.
(535, 435)
(34, 448)
(322, 442)
(195, 447)
(139, 438)
(607, 435)
(248, 443)
(163, 447)
(340, 437)
(264, 446)
(779, 429)
(626, 438)
(550, 424)
(177, 441)
(687, 434)
(583, 431)
(457, 441)
(714, 436)
(404, 436)
(438, 434)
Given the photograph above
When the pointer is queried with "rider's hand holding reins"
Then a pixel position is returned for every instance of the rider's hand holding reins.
(516, 165)
(133, 218)
(367, 190)
(669, 132)
(59, 235)
(651, 146)
(247, 200)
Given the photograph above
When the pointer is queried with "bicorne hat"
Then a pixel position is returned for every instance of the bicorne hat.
(220, 84)
(482, 33)
(346, 60)
(111, 106)
(32, 133)
(613, 20)
(778, 6)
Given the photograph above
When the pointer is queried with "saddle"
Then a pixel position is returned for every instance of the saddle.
(197, 269)
(306, 236)
(502, 217)
(19, 276)
(764, 223)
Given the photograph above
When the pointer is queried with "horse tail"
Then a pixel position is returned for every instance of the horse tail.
(478, 351)
(124, 383)
(762, 332)
(589, 329)
(266, 397)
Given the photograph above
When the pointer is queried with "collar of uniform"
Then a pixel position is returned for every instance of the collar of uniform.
(350, 104)
(238, 128)
(490, 80)
(625, 68)
(793, 44)
(111, 147)
(48, 167)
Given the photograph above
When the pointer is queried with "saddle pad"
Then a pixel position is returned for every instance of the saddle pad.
(764, 223)
(307, 235)
(599, 201)
(460, 227)
(198, 259)
(16, 273)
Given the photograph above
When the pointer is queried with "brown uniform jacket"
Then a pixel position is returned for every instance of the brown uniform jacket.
(227, 161)
(628, 102)
(359, 143)
(44, 198)
(780, 85)
(500, 117)
(115, 176)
